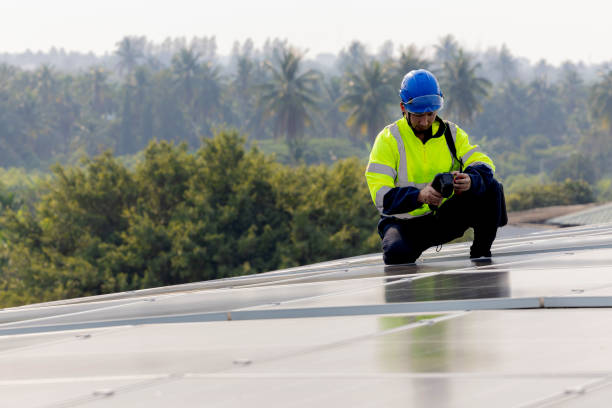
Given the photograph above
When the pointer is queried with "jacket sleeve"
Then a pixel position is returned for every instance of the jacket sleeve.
(476, 163)
(381, 175)
(401, 200)
(481, 176)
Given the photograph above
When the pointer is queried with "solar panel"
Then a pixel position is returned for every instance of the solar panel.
(526, 329)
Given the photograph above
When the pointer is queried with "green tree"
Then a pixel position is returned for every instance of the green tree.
(244, 93)
(235, 227)
(180, 217)
(130, 51)
(100, 92)
(410, 58)
(199, 87)
(55, 249)
(47, 83)
(146, 255)
(335, 119)
(289, 98)
(125, 143)
(337, 224)
(543, 103)
(209, 100)
(355, 55)
(602, 100)
(506, 64)
(446, 49)
(144, 107)
(89, 201)
(506, 107)
(573, 91)
(367, 97)
(545, 195)
(185, 67)
(576, 167)
(464, 90)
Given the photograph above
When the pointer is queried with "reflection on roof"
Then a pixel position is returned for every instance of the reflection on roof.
(527, 329)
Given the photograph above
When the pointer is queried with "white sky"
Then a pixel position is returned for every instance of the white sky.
(554, 30)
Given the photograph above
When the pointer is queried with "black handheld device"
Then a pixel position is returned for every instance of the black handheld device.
(443, 184)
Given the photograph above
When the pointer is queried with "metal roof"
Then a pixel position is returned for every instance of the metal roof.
(527, 329)
(595, 215)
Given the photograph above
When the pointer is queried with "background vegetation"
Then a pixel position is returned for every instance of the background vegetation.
(166, 163)
(180, 217)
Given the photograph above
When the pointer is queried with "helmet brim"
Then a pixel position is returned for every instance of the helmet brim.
(425, 103)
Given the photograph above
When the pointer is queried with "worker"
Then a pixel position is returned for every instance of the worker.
(405, 159)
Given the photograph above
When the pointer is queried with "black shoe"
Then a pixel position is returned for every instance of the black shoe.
(479, 253)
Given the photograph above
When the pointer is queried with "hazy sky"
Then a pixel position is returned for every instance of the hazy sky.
(536, 29)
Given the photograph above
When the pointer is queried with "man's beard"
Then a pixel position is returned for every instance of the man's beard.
(420, 129)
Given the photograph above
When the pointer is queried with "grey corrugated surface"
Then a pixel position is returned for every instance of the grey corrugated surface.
(345, 333)
(598, 215)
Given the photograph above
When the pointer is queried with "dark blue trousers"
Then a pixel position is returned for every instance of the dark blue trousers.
(403, 241)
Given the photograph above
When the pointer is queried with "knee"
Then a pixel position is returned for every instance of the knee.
(398, 252)
(485, 200)
(494, 188)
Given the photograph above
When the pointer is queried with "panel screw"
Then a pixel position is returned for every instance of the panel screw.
(103, 393)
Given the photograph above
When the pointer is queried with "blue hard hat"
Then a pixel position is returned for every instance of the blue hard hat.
(420, 92)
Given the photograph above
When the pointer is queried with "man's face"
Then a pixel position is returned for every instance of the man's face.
(420, 122)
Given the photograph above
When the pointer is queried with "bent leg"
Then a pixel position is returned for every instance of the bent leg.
(483, 213)
(398, 247)
(405, 241)
(487, 219)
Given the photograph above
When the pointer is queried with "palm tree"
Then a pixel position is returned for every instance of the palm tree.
(244, 73)
(368, 95)
(463, 89)
(130, 51)
(334, 117)
(447, 49)
(506, 64)
(100, 98)
(185, 68)
(538, 91)
(241, 93)
(545, 113)
(573, 94)
(144, 107)
(385, 52)
(199, 85)
(543, 69)
(354, 56)
(46, 83)
(208, 99)
(289, 96)
(410, 58)
(602, 100)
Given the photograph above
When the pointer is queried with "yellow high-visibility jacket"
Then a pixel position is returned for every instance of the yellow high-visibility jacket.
(399, 159)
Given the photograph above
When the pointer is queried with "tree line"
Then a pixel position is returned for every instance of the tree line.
(221, 211)
(171, 203)
(529, 117)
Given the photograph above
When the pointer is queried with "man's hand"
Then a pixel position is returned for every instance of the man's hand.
(429, 196)
(461, 182)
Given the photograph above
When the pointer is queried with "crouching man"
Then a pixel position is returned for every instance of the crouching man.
(420, 205)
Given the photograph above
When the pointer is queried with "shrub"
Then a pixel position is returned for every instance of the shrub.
(546, 195)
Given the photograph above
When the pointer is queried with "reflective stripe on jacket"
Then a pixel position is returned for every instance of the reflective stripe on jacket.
(400, 159)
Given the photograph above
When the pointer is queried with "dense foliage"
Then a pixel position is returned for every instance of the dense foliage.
(164, 208)
(566, 193)
(530, 117)
(181, 217)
